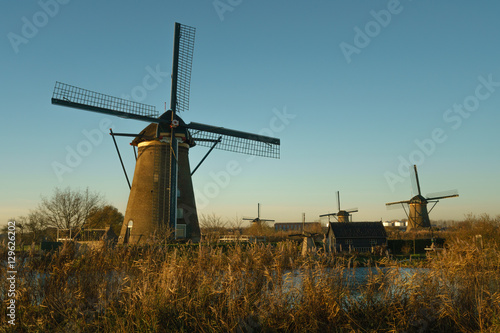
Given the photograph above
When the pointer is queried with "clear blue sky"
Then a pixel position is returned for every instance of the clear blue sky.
(350, 87)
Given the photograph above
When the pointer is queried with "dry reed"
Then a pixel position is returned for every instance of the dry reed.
(252, 289)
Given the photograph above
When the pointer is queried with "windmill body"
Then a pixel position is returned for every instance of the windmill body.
(161, 202)
(343, 216)
(418, 214)
(148, 207)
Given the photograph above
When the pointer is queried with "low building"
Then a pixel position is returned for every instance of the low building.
(355, 236)
(394, 223)
(388, 223)
(400, 224)
(92, 238)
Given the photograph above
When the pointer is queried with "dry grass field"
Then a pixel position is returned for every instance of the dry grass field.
(258, 288)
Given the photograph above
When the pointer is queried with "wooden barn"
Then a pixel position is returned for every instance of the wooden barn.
(355, 236)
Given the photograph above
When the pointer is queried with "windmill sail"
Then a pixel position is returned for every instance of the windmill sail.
(415, 183)
(442, 195)
(397, 202)
(235, 141)
(181, 67)
(257, 219)
(204, 135)
(78, 98)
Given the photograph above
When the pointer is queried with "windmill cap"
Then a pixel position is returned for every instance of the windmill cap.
(150, 131)
(418, 199)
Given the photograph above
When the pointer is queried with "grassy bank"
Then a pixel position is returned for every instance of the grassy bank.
(251, 289)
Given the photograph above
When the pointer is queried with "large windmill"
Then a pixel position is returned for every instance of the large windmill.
(161, 202)
(341, 215)
(418, 215)
(257, 220)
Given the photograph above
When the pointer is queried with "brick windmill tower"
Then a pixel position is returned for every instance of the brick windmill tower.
(161, 203)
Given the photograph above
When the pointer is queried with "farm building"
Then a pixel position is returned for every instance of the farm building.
(355, 236)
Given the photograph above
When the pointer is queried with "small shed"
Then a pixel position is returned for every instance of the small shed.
(355, 236)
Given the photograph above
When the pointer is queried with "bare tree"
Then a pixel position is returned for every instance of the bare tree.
(34, 224)
(19, 227)
(236, 224)
(212, 222)
(19, 231)
(68, 209)
(212, 226)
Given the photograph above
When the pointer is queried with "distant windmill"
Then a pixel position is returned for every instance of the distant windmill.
(308, 244)
(418, 215)
(161, 195)
(257, 220)
(341, 215)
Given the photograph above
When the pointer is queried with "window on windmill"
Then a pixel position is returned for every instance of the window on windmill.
(348, 241)
(178, 193)
(373, 242)
(180, 231)
(180, 213)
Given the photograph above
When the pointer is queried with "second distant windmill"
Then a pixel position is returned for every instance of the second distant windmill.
(257, 220)
(341, 215)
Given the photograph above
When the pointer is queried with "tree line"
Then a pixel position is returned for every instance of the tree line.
(67, 209)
